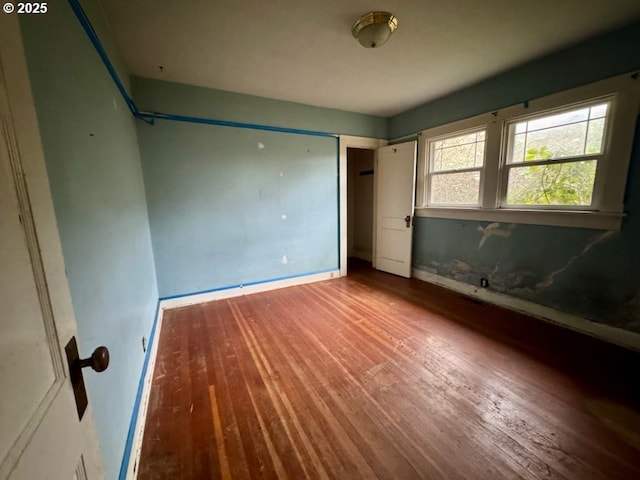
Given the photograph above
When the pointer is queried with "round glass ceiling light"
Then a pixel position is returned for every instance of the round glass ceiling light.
(373, 29)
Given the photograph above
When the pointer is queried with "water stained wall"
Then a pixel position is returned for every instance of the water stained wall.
(594, 274)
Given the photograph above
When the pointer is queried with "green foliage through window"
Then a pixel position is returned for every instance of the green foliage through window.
(562, 183)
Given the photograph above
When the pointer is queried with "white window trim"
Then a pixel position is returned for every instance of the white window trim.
(429, 177)
(602, 158)
(610, 181)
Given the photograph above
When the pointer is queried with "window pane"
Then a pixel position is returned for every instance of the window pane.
(559, 119)
(595, 136)
(517, 149)
(558, 142)
(599, 111)
(521, 127)
(458, 152)
(568, 134)
(553, 184)
(455, 188)
(479, 160)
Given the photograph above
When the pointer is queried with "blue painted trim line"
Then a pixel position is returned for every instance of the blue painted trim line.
(126, 456)
(249, 284)
(93, 36)
(151, 116)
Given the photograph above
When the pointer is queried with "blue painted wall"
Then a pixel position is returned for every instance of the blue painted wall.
(601, 57)
(179, 99)
(216, 199)
(91, 151)
(231, 206)
(590, 273)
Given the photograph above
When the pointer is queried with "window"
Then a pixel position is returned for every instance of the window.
(559, 160)
(456, 166)
(552, 158)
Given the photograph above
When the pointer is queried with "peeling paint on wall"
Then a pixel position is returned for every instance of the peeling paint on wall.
(598, 239)
(572, 270)
(493, 229)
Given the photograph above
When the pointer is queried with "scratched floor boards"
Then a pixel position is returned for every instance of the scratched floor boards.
(375, 376)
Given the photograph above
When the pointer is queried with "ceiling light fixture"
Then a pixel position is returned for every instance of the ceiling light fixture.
(374, 29)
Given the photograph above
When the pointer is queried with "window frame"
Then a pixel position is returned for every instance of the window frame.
(607, 207)
(430, 174)
(600, 157)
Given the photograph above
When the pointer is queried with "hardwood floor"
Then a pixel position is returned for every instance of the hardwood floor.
(375, 376)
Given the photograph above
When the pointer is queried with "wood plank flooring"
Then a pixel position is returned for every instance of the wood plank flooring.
(375, 376)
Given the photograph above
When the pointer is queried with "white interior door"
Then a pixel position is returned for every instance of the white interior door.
(394, 202)
(41, 436)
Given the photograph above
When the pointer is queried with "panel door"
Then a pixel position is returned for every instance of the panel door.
(41, 435)
(395, 201)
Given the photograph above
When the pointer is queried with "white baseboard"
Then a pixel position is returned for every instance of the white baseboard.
(193, 300)
(608, 333)
(245, 290)
(132, 470)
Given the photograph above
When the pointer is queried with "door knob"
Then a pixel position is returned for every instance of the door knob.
(408, 220)
(98, 361)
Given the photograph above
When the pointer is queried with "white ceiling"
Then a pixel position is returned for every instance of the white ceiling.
(302, 50)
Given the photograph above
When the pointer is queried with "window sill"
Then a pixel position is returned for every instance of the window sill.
(558, 218)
